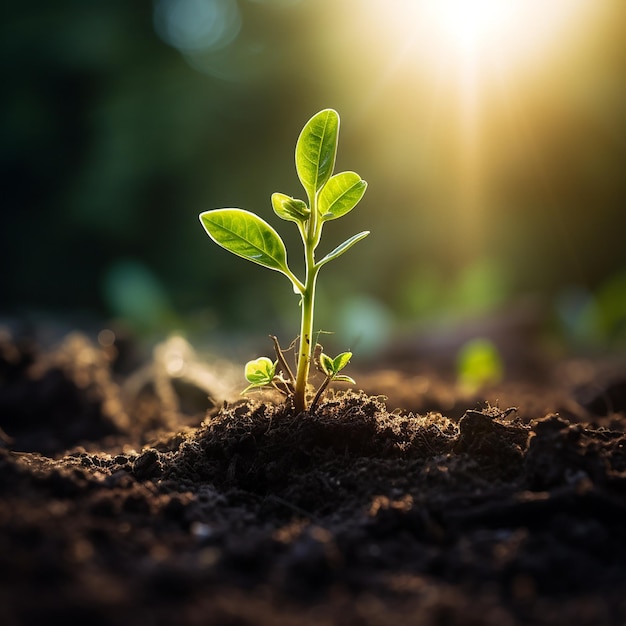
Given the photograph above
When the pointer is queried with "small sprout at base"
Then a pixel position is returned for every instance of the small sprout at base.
(245, 234)
(260, 373)
(331, 367)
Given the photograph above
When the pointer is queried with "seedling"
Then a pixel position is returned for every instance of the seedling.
(245, 234)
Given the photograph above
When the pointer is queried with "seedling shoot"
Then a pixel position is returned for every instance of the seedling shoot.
(243, 233)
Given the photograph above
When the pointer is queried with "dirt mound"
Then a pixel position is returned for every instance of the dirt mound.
(354, 514)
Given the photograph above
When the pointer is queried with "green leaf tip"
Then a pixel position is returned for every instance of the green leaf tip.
(341, 360)
(316, 150)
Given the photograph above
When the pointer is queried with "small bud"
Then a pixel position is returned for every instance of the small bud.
(289, 208)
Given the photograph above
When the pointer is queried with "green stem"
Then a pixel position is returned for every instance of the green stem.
(307, 346)
(310, 238)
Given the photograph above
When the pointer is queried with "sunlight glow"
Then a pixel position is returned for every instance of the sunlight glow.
(473, 58)
(507, 31)
(469, 22)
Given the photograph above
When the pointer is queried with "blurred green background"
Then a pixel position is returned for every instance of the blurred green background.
(496, 166)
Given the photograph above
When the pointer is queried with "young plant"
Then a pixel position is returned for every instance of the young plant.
(247, 235)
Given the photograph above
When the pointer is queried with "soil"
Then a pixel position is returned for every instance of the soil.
(159, 497)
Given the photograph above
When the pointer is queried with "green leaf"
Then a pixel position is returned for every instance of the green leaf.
(341, 360)
(248, 236)
(340, 195)
(344, 379)
(260, 372)
(316, 150)
(327, 365)
(341, 248)
(331, 367)
(290, 209)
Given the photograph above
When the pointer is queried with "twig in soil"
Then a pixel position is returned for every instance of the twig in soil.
(283, 363)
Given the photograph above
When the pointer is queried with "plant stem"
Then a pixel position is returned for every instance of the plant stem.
(310, 239)
(306, 347)
(319, 393)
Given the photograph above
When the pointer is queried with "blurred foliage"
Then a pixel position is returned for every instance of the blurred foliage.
(595, 320)
(479, 364)
(121, 121)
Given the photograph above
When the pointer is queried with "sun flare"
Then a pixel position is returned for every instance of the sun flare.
(472, 67)
(507, 32)
(467, 22)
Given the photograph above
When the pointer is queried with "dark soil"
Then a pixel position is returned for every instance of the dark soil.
(134, 499)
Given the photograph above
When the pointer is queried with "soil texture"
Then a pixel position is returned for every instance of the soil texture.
(155, 497)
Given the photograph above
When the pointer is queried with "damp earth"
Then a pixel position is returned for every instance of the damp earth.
(155, 495)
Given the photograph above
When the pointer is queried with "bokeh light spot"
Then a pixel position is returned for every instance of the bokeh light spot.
(194, 26)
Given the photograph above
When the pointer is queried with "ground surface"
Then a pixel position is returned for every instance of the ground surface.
(132, 500)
